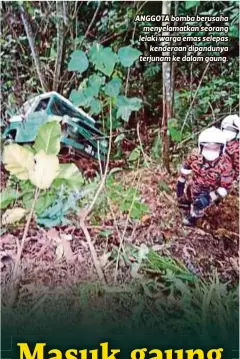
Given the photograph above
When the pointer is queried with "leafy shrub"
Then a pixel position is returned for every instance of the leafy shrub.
(96, 91)
(38, 167)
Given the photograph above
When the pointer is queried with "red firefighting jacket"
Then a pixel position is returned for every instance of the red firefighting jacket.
(207, 176)
(232, 150)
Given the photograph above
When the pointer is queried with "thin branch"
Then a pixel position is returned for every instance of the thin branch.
(86, 213)
(100, 188)
(35, 56)
(85, 35)
(194, 97)
(60, 40)
(91, 23)
(99, 160)
(213, 114)
(141, 146)
(15, 276)
(142, 5)
(129, 69)
(92, 251)
(126, 225)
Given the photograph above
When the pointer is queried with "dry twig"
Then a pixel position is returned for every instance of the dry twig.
(126, 225)
(35, 56)
(86, 213)
(194, 97)
(15, 283)
(60, 41)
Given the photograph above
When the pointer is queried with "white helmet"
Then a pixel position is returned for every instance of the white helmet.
(230, 127)
(207, 141)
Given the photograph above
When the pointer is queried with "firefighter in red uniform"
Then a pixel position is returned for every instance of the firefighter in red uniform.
(212, 175)
(230, 127)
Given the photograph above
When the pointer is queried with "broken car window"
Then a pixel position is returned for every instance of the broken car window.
(59, 108)
(42, 105)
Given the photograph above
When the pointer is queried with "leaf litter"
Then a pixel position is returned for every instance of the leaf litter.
(60, 256)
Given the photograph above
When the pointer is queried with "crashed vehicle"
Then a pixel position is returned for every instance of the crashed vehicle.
(79, 131)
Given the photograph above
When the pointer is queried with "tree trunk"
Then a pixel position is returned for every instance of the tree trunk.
(167, 91)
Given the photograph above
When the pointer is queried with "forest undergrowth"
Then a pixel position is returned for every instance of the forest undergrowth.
(146, 259)
(155, 250)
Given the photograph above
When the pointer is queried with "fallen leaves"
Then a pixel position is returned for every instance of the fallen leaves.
(55, 256)
(61, 240)
(145, 218)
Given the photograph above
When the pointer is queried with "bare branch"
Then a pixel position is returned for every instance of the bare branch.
(145, 157)
(85, 214)
(16, 271)
(35, 56)
(91, 23)
(194, 97)
(60, 39)
(126, 224)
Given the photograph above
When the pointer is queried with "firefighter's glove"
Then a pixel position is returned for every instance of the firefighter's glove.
(202, 202)
(180, 189)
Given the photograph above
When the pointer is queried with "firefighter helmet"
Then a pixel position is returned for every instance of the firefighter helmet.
(212, 143)
(230, 127)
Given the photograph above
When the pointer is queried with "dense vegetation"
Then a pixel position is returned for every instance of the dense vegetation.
(88, 52)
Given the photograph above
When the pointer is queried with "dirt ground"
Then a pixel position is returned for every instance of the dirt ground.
(212, 245)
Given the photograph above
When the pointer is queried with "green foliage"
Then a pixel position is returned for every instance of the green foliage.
(127, 199)
(94, 83)
(135, 154)
(174, 130)
(42, 203)
(151, 71)
(233, 32)
(78, 62)
(113, 87)
(55, 215)
(208, 300)
(104, 59)
(156, 149)
(40, 170)
(86, 96)
(18, 161)
(191, 4)
(126, 106)
(69, 176)
(216, 95)
(48, 138)
(95, 94)
(80, 98)
(7, 197)
(168, 265)
(95, 106)
(128, 55)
